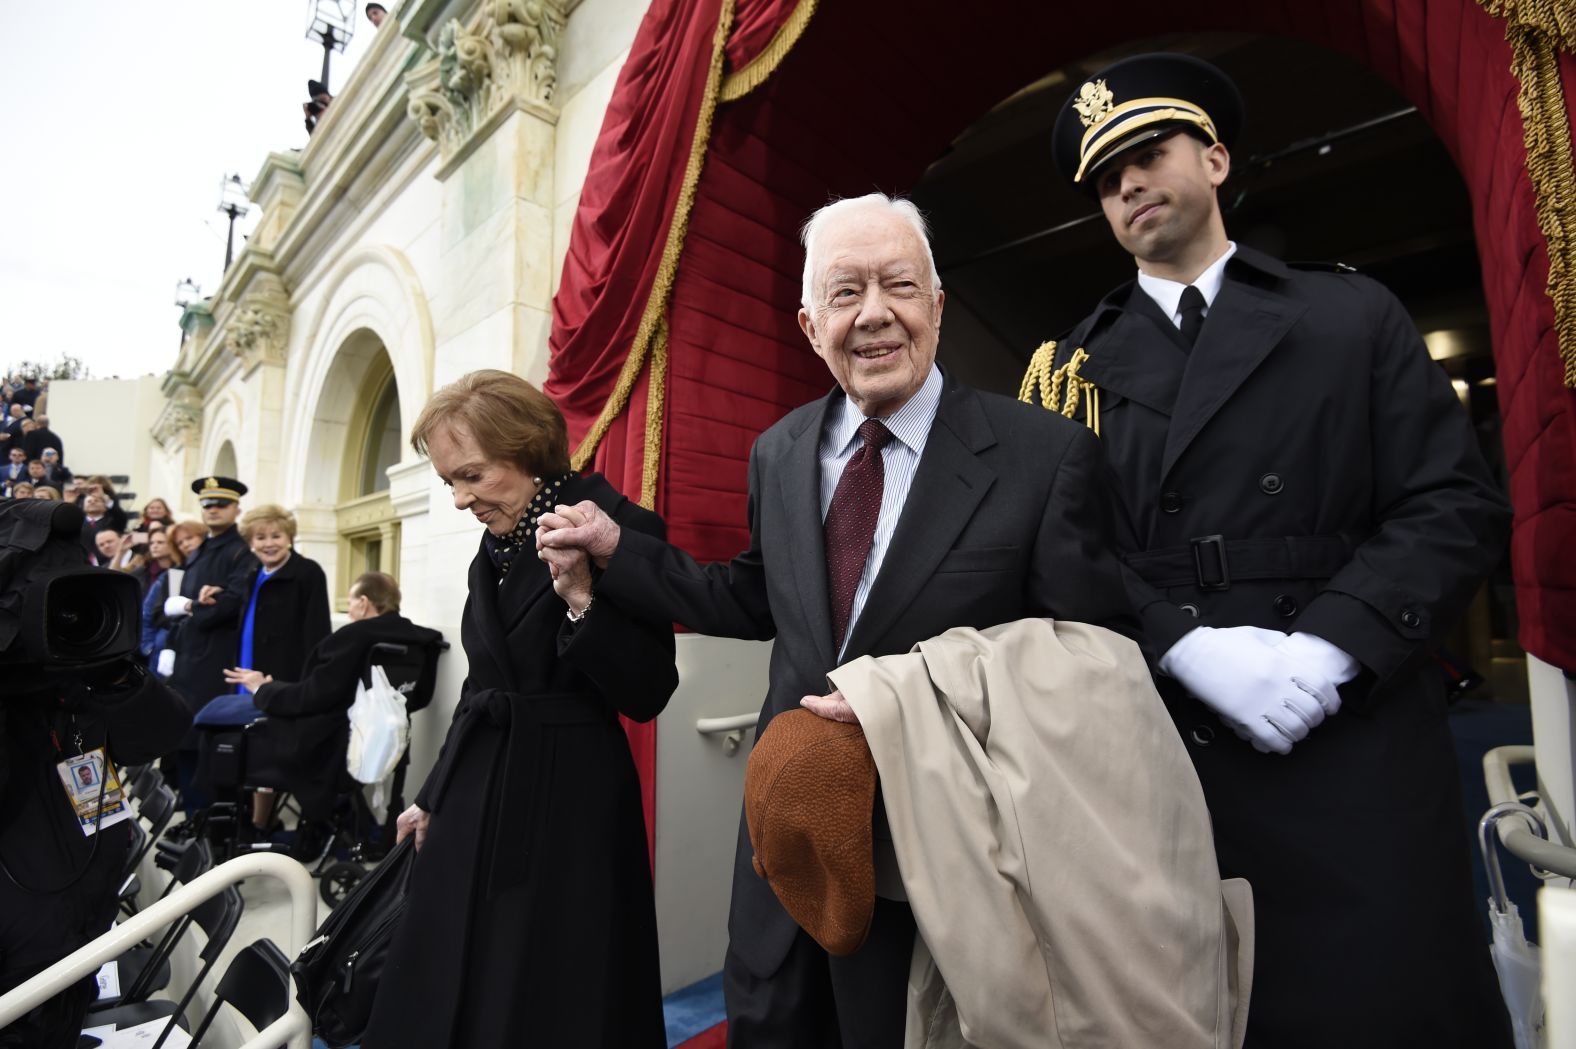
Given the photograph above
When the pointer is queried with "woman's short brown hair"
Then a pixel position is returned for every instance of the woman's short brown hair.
(506, 416)
(176, 532)
(379, 588)
(268, 513)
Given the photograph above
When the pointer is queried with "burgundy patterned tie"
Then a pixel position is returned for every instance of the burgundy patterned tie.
(851, 523)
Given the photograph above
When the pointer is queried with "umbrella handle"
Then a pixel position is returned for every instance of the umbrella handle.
(1488, 823)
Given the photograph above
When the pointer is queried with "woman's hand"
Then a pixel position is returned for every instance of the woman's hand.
(413, 820)
(252, 679)
(205, 596)
(570, 566)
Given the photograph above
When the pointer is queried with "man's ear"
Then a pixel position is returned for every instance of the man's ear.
(1217, 162)
(807, 325)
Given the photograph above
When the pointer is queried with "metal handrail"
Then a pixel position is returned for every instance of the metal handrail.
(1515, 834)
(730, 723)
(293, 1029)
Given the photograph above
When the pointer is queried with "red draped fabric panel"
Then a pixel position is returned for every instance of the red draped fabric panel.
(869, 95)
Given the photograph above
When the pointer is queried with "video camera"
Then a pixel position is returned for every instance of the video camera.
(58, 616)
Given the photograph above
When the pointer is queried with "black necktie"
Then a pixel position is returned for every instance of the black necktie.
(1192, 309)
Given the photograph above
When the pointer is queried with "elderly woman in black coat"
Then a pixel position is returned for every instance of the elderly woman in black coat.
(530, 920)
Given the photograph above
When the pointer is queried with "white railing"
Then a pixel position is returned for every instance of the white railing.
(731, 728)
(293, 1029)
(1514, 833)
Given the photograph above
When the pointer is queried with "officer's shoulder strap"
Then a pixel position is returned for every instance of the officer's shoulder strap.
(1322, 267)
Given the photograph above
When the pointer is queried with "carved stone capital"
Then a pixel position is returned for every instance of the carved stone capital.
(257, 333)
(504, 56)
(179, 423)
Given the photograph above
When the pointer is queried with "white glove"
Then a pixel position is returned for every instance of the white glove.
(166, 663)
(177, 606)
(1266, 697)
(1320, 662)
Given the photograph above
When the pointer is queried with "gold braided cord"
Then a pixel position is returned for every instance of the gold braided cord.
(1045, 383)
(755, 72)
(1537, 31)
(651, 335)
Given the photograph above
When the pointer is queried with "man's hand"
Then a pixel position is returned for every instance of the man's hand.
(252, 679)
(205, 596)
(832, 707)
(413, 820)
(1267, 697)
(589, 529)
(570, 567)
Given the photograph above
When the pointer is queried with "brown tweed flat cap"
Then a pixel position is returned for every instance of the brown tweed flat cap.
(809, 791)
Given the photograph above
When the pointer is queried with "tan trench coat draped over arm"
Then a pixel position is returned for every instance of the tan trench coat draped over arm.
(1054, 844)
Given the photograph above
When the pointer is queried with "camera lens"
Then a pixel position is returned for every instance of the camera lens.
(81, 618)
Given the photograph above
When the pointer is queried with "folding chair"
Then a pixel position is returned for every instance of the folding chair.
(256, 984)
(133, 963)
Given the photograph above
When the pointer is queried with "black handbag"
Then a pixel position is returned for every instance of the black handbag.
(336, 975)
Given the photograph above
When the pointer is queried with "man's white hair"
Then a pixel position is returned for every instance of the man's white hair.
(900, 206)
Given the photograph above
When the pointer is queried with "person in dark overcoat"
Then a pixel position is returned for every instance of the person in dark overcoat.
(530, 920)
(1306, 513)
(203, 615)
(306, 722)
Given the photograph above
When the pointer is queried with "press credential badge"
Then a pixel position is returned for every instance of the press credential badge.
(87, 779)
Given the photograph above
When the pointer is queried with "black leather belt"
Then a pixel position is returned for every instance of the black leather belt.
(521, 717)
(1213, 562)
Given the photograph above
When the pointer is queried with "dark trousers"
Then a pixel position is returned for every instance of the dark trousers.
(816, 1001)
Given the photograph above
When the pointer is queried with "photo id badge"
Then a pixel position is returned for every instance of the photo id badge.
(88, 778)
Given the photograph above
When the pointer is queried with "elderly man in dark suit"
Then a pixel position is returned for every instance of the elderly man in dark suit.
(898, 506)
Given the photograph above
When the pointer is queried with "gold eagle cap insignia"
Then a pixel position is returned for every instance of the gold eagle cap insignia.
(1095, 100)
(213, 482)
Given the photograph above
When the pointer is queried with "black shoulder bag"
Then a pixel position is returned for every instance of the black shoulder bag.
(336, 975)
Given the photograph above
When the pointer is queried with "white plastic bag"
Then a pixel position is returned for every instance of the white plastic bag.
(379, 730)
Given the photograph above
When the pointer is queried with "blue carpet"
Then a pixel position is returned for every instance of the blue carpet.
(693, 1009)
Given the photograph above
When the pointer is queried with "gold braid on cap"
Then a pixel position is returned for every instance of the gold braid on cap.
(1044, 382)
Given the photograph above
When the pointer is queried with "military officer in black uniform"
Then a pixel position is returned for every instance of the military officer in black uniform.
(206, 613)
(1306, 512)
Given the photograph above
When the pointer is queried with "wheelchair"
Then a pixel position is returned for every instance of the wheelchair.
(234, 761)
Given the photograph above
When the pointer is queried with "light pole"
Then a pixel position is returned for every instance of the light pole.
(186, 293)
(331, 23)
(233, 202)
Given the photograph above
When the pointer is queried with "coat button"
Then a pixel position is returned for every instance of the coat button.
(1410, 618)
(1203, 735)
(1271, 484)
(1284, 605)
(1171, 502)
(1190, 608)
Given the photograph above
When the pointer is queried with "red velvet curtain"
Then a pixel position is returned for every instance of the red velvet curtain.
(735, 358)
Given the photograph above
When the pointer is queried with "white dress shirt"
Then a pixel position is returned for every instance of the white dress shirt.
(910, 427)
(1168, 293)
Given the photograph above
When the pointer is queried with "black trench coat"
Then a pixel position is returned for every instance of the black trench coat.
(292, 617)
(531, 920)
(1309, 409)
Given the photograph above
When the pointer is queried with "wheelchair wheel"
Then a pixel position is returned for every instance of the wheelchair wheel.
(338, 880)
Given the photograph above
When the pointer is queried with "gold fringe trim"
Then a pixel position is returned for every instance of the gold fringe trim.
(1045, 383)
(1537, 31)
(755, 72)
(651, 337)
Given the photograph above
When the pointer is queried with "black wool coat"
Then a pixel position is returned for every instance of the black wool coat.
(205, 641)
(530, 919)
(1310, 434)
(306, 728)
(292, 616)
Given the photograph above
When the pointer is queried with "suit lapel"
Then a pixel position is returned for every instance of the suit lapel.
(1244, 324)
(799, 482)
(947, 488)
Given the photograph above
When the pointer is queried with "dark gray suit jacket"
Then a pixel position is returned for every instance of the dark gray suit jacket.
(1008, 518)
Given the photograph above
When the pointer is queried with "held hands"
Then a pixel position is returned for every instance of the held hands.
(570, 567)
(589, 529)
(1258, 681)
(833, 707)
(252, 679)
(413, 820)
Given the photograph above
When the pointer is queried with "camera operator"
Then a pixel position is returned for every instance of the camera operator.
(76, 706)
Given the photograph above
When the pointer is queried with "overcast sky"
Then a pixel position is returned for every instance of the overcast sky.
(126, 116)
